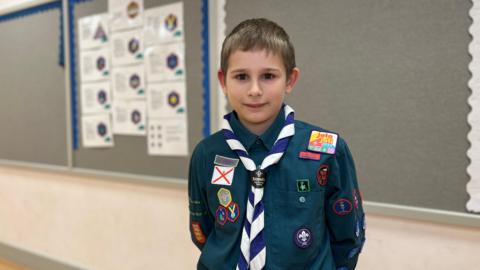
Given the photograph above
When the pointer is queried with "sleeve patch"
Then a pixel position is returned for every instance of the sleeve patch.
(198, 233)
(342, 207)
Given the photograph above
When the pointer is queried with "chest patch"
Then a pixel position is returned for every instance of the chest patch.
(222, 175)
(303, 238)
(225, 161)
(224, 197)
(322, 142)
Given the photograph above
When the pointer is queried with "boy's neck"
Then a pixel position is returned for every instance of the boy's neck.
(257, 129)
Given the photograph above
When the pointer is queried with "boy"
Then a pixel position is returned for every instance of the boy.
(270, 192)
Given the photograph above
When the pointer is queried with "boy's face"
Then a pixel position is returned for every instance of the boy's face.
(256, 84)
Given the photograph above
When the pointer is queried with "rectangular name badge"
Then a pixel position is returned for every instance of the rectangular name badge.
(225, 161)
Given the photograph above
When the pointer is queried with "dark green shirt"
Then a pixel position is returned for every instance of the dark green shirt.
(305, 191)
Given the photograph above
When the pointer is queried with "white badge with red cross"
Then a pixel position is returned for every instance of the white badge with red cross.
(222, 175)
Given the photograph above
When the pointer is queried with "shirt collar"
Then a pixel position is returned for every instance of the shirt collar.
(268, 138)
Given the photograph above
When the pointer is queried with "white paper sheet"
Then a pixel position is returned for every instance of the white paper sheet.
(168, 137)
(164, 24)
(97, 130)
(94, 65)
(127, 47)
(93, 31)
(125, 14)
(95, 97)
(166, 62)
(128, 82)
(129, 117)
(166, 99)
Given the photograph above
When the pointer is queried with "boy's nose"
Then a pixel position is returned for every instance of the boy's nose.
(255, 89)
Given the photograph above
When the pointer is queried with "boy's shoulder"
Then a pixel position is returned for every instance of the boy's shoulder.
(308, 131)
(211, 144)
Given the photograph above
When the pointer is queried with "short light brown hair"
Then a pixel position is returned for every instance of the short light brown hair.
(259, 34)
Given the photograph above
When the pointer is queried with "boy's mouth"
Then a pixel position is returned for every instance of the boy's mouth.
(255, 105)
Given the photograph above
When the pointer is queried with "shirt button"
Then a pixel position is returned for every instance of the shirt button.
(301, 199)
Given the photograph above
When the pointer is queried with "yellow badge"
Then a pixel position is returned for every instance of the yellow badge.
(323, 142)
(224, 197)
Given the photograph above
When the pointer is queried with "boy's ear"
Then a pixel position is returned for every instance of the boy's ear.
(292, 79)
(221, 79)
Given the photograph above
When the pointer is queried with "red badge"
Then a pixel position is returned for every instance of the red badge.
(309, 155)
(322, 175)
(198, 233)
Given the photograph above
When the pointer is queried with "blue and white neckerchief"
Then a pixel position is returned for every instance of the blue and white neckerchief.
(253, 250)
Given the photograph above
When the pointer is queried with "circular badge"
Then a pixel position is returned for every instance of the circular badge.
(132, 10)
(342, 207)
(172, 61)
(171, 22)
(134, 81)
(102, 129)
(173, 99)
(102, 97)
(101, 62)
(136, 117)
(221, 215)
(133, 45)
(303, 238)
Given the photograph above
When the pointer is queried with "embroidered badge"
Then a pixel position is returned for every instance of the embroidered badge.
(355, 199)
(221, 215)
(303, 185)
(198, 233)
(309, 155)
(342, 207)
(225, 161)
(222, 175)
(322, 175)
(303, 238)
(233, 212)
(224, 196)
(323, 142)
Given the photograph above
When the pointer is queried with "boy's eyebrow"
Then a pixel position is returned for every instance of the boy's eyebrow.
(243, 70)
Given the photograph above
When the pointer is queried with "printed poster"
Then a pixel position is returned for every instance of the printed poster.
(94, 65)
(164, 24)
(166, 99)
(95, 97)
(93, 31)
(129, 117)
(166, 62)
(125, 14)
(128, 82)
(168, 137)
(127, 47)
(97, 130)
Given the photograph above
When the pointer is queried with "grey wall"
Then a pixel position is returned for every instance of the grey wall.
(32, 90)
(391, 77)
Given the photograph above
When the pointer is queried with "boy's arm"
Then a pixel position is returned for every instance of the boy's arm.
(344, 210)
(200, 221)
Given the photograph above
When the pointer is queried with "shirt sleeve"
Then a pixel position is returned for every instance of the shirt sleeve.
(344, 210)
(201, 222)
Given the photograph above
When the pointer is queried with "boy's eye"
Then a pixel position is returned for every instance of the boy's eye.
(241, 77)
(269, 76)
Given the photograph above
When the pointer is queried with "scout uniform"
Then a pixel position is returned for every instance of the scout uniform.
(314, 218)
